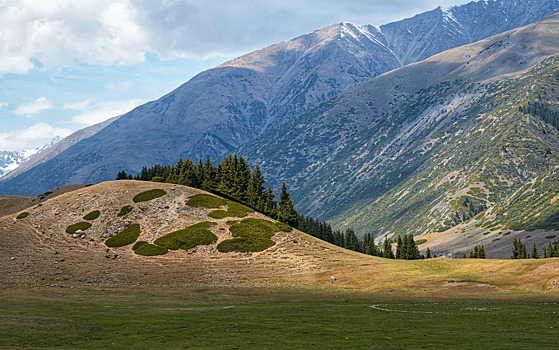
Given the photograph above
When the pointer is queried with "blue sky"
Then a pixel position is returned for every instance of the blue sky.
(65, 65)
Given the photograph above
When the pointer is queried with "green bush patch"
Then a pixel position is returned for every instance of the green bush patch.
(251, 235)
(244, 245)
(138, 245)
(79, 226)
(22, 215)
(125, 210)
(254, 227)
(550, 237)
(420, 241)
(149, 195)
(283, 227)
(128, 236)
(205, 201)
(234, 210)
(189, 237)
(149, 249)
(93, 215)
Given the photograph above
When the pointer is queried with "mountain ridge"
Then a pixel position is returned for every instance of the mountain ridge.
(225, 107)
(11, 160)
(359, 160)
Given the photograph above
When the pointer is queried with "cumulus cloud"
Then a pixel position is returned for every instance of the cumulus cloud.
(120, 32)
(3, 104)
(34, 108)
(59, 33)
(99, 112)
(77, 106)
(32, 137)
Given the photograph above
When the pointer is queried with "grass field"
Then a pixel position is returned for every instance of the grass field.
(280, 318)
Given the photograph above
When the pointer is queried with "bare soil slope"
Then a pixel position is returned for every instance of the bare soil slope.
(36, 250)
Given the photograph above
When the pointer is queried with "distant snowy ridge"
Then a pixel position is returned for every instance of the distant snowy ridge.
(10, 160)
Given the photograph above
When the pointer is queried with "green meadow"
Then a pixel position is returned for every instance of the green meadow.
(269, 318)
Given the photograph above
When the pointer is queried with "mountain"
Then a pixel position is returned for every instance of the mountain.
(11, 160)
(223, 108)
(58, 147)
(471, 133)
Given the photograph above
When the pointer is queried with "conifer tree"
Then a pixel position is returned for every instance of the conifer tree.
(286, 210)
(534, 254)
(428, 254)
(351, 241)
(400, 248)
(387, 249)
(209, 180)
(255, 191)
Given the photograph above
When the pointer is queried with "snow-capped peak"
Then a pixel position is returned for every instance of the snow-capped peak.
(10, 160)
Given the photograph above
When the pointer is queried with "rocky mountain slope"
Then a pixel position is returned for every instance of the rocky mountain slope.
(11, 160)
(471, 132)
(230, 105)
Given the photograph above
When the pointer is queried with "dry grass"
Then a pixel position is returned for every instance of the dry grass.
(43, 254)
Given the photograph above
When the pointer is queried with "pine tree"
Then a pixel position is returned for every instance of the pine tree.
(255, 191)
(518, 250)
(400, 248)
(428, 253)
(535, 254)
(209, 181)
(351, 241)
(387, 249)
(412, 253)
(286, 210)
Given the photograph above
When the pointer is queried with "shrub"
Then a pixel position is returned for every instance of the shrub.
(138, 245)
(149, 195)
(250, 235)
(125, 210)
(151, 250)
(283, 227)
(22, 215)
(128, 236)
(79, 226)
(244, 245)
(234, 209)
(189, 237)
(205, 201)
(93, 215)
(420, 241)
(254, 227)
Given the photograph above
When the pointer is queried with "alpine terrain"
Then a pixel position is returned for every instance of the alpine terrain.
(10, 160)
(223, 108)
(467, 139)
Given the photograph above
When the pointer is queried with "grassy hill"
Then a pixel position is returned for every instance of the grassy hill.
(37, 248)
(71, 290)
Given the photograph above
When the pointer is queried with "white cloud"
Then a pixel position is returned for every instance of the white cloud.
(77, 106)
(119, 87)
(30, 138)
(102, 111)
(120, 32)
(34, 108)
(61, 33)
(3, 104)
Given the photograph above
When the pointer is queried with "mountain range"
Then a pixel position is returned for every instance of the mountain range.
(471, 131)
(11, 160)
(391, 129)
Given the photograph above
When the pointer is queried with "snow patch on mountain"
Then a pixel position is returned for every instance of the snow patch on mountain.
(10, 160)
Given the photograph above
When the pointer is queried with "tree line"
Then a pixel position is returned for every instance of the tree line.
(233, 178)
(519, 250)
